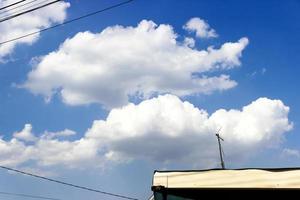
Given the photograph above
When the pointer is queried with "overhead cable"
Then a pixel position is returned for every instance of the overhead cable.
(28, 11)
(10, 5)
(68, 184)
(67, 22)
(16, 7)
(23, 9)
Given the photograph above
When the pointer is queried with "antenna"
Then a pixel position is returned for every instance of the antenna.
(220, 148)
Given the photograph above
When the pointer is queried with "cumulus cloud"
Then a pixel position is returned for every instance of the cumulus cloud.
(120, 62)
(163, 129)
(28, 23)
(14, 152)
(200, 27)
(26, 134)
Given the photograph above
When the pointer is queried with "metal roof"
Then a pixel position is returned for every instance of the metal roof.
(230, 178)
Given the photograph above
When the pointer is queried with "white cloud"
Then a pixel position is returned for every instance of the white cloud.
(47, 150)
(261, 72)
(189, 42)
(14, 152)
(64, 133)
(287, 152)
(163, 129)
(200, 27)
(26, 134)
(28, 23)
(118, 62)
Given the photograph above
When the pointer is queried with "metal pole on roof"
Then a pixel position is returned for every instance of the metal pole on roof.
(220, 149)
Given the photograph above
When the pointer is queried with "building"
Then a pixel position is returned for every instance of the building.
(171, 185)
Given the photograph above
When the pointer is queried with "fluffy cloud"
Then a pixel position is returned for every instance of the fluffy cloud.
(163, 129)
(14, 152)
(25, 134)
(200, 27)
(28, 23)
(119, 62)
(64, 133)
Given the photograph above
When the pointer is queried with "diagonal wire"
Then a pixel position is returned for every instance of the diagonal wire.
(28, 11)
(68, 184)
(16, 7)
(10, 5)
(68, 22)
(23, 9)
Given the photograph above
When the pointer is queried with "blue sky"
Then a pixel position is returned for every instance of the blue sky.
(269, 68)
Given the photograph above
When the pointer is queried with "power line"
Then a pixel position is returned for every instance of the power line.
(10, 5)
(28, 11)
(67, 22)
(16, 7)
(23, 9)
(68, 184)
(27, 195)
(8, 17)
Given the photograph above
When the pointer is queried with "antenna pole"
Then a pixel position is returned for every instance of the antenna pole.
(220, 150)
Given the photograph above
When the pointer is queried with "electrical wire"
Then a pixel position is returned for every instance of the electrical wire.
(27, 195)
(10, 5)
(23, 9)
(28, 11)
(68, 22)
(16, 7)
(68, 184)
